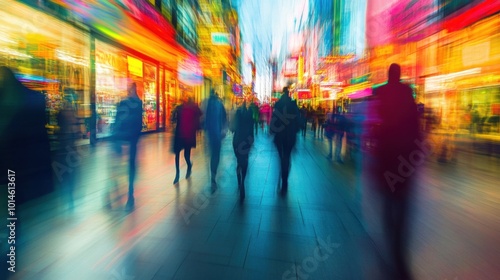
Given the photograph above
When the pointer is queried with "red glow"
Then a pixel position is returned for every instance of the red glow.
(484, 9)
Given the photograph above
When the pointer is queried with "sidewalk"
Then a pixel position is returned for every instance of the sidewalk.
(326, 228)
(185, 232)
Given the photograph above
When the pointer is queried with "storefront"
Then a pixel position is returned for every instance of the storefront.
(115, 70)
(54, 54)
(49, 56)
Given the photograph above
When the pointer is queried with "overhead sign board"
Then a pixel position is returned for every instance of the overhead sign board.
(221, 39)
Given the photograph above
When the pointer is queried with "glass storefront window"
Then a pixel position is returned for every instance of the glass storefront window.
(161, 106)
(111, 85)
(49, 56)
(149, 100)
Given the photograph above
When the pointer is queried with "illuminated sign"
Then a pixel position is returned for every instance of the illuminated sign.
(221, 39)
(360, 79)
(290, 68)
(189, 71)
(134, 66)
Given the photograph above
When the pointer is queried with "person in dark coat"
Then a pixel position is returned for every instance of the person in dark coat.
(330, 132)
(340, 125)
(303, 120)
(67, 136)
(243, 139)
(25, 158)
(397, 155)
(24, 142)
(187, 116)
(127, 130)
(285, 123)
(216, 128)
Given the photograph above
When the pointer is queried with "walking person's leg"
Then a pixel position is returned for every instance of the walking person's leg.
(338, 147)
(330, 147)
(214, 161)
(187, 157)
(243, 168)
(132, 171)
(279, 148)
(400, 216)
(285, 166)
(177, 171)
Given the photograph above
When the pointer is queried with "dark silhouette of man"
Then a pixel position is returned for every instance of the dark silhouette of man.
(396, 157)
(127, 130)
(243, 139)
(216, 127)
(285, 125)
(25, 157)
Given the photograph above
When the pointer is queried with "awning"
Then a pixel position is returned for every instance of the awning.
(147, 34)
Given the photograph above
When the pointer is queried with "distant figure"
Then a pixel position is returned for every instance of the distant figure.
(255, 115)
(187, 117)
(24, 143)
(127, 131)
(340, 125)
(396, 158)
(66, 136)
(330, 132)
(216, 128)
(321, 121)
(243, 128)
(284, 126)
(303, 120)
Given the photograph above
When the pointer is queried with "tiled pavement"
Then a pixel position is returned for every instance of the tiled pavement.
(325, 228)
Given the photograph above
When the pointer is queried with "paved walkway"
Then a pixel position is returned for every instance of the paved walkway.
(323, 229)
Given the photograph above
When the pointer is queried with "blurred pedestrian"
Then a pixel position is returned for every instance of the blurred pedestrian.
(66, 136)
(330, 132)
(216, 128)
(187, 118)
(284, 126)
(396, 155)
(243, 139)
(340, 129)
(25, 158)
(255, 115)
(321, 121)
(314, 121)
(303, 120)
(127, 131)
(24, 142)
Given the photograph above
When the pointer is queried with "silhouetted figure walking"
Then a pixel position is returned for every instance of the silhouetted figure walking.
(25, 158)
(187, 116)
(340, 125)
(216, 127)
(24, 143)
(243, 139)
(285, 125)
(127, 131)
(330, 132)
(396, 157)
(66, 136)
(303, 120)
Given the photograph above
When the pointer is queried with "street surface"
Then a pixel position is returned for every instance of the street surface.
(327, 227)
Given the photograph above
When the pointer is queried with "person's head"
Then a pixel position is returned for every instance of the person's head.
(285, 91)
(212, 92)
(132, 90)
(394, 73)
